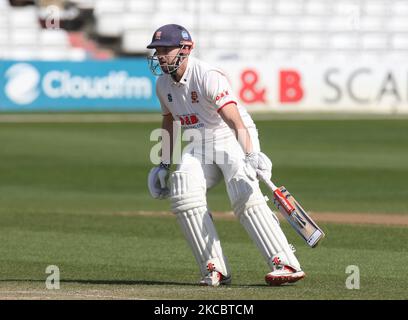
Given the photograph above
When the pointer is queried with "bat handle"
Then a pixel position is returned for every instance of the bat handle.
(268, 182)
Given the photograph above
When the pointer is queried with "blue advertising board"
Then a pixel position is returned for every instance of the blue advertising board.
(112, 85)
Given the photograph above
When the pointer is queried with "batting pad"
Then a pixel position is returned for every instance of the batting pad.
(189, 204)
(261, 223)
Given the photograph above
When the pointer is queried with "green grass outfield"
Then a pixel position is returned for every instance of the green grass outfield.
(70, 193)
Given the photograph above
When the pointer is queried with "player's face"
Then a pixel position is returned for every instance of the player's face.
(167, 57)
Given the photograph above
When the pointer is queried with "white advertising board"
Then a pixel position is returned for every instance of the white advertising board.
(325, 87)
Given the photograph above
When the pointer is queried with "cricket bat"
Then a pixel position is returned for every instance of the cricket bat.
(294, 213)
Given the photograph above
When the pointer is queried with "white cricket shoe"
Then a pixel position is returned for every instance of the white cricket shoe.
(285, 274)
(214, 279)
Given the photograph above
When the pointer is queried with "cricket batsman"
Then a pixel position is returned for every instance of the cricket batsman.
(200, 97)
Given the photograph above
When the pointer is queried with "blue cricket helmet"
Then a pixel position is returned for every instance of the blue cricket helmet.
(171, 35)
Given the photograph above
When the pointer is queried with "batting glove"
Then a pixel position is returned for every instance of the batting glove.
(258, 163)
(157, 181)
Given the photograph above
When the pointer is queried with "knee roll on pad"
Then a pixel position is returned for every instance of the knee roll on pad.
(186, 192)
(189, 205)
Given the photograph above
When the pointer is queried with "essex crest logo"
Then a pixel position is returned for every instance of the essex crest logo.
(194, 97)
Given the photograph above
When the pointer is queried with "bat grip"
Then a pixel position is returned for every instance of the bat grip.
(268, 182)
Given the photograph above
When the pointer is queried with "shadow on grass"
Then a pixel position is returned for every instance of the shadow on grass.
(145, 282)
(107, 282)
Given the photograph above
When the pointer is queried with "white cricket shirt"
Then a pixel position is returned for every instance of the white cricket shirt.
(198, 97)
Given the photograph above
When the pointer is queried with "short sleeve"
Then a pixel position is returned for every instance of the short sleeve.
(165, 110)
(218, 91)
